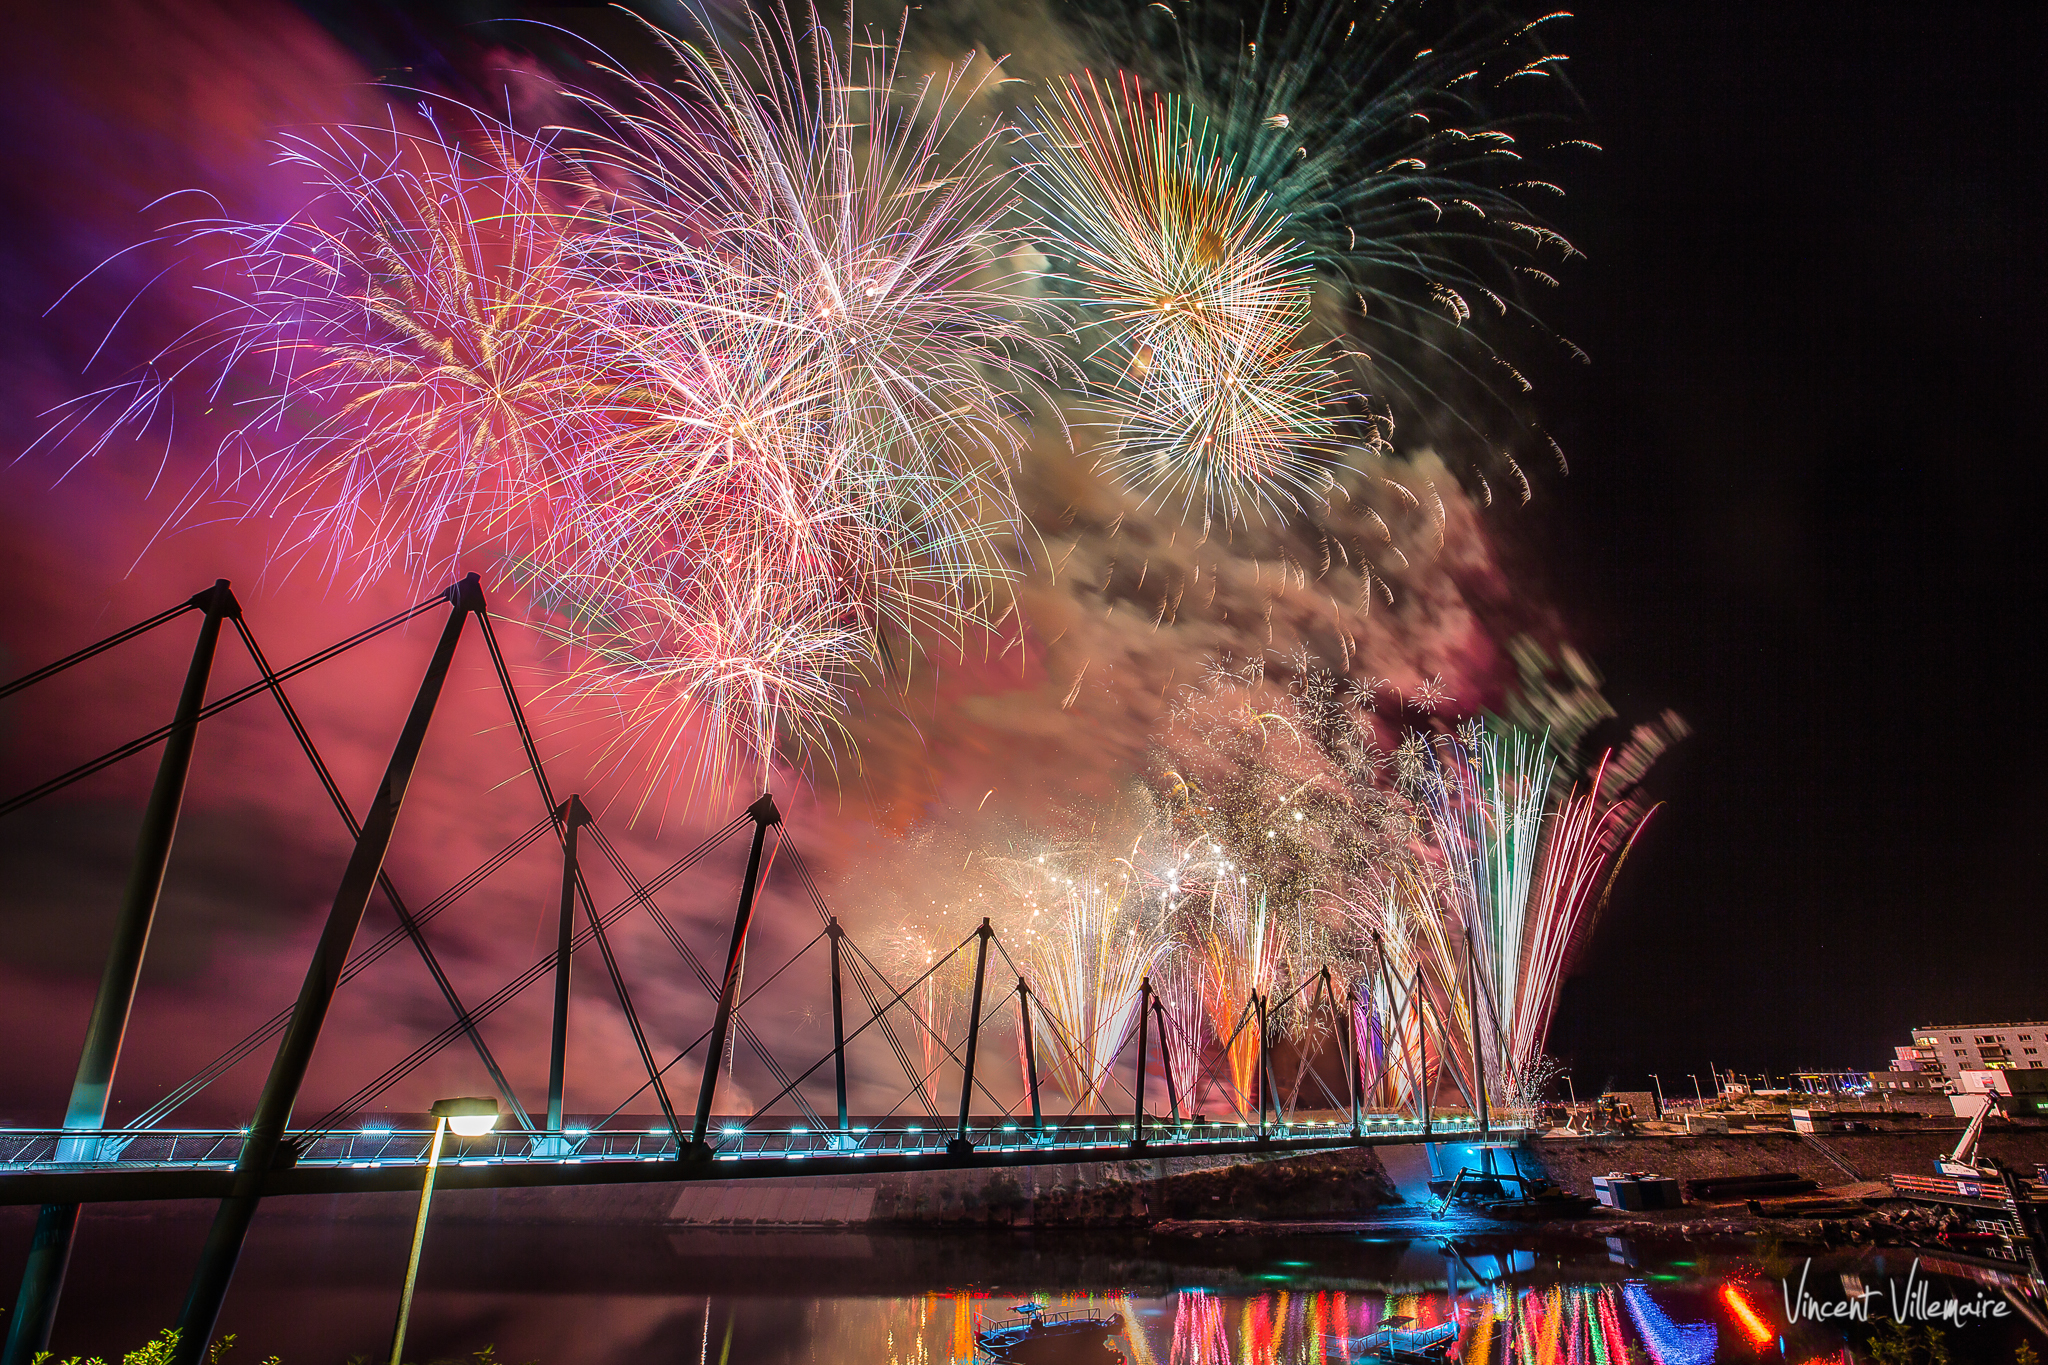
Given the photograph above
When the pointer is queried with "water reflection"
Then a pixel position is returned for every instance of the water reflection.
(1555, 1324)
(1504, 1306)
(316, 1293)
(1511, 1307)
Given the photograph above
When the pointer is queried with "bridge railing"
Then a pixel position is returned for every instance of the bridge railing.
(50, 1149)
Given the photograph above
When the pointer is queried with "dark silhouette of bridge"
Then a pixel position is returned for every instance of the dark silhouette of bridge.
(791, 1133)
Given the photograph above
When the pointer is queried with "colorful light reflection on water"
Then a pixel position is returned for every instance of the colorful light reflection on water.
(1532, 1324)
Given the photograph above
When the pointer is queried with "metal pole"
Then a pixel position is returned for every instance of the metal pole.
(1030, 1059)
(42, 1279)
(1260, 1002)
(764, 814)
(960, 1146)
(1351, 1052)
(261, 1149)
(573, 816)
(1421, 1056)
(419, 1237)
(838, 1027)
(1478, 1052)
(1166, 1064)
(1144, 1030)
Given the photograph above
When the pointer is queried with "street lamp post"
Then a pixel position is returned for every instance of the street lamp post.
(469, 1116)
(1697, 1093)
(1660, 1093)
(1571, 1090)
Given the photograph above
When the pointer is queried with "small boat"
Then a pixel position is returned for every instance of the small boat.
(1395, 1341)
(1039, 1337)
(1487, 1191)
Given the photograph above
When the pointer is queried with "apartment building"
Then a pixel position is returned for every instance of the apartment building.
(1948, 1050)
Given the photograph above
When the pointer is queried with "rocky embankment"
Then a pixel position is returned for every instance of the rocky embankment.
(1839, 1159)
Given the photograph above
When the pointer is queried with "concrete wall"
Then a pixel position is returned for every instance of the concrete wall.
(1325, 1184)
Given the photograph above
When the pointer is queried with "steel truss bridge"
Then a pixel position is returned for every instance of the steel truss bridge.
(793, 1132)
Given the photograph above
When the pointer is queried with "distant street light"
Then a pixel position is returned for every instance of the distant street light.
(469, 1116)
(1571, 1089)
(1697, 1093)
(1653, 1081)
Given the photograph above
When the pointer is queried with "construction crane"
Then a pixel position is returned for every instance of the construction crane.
(1962, 1162)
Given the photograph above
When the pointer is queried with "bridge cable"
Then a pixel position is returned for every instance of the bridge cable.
(874, 1018)
(875, 1008)
(399, 1070)
(213, 708)
(420, 1055)
(359, 960)
(1091, 1088)
(119, 637)
(910, 1069)
(740, 1026)
(879, 1015)
(1006, 1110)
(406, 922)
(700, 1038)
(611, 965)
(547, 795)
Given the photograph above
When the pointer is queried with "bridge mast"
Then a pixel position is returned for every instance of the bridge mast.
(573, 816)
(960, 1146)
(838, 1031)
(1144, 1025)
(764, 814)
(264, 1145)
(1030, 1059)
(42, 1280)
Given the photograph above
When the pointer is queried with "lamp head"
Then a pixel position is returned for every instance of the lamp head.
(469, 1115)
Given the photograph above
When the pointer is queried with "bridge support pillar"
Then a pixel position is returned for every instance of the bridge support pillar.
(573, 816)
(838, 1034)
(764, 814)
(1354, 1062)
(960, 1146)
(1259, 1001)
(264, 1146)
(1138, 1090)
(1422, 1085)
(42, 1280)
(1030, 1060)
(1478, 1052)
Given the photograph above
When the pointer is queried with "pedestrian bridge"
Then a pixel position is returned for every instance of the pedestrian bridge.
(197, 1163)
(1118, 1083)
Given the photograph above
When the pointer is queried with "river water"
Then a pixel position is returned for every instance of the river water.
(318, 1293)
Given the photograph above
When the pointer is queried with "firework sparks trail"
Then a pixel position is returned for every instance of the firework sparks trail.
(1213, 407)
(1485, 794)
(1586, 833)
(1090, 965)
(733, 375)
(734, 384)
(1396, 149)
(417, 330)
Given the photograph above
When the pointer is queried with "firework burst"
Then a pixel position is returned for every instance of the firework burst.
(1196, 299)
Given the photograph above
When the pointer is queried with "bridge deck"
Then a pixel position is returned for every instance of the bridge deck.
(53, 1166)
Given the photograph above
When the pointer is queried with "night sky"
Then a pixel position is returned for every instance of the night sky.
(1804, 511)
(1805, 481)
